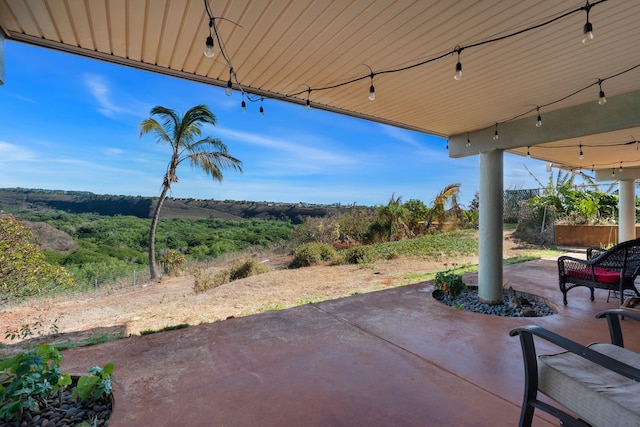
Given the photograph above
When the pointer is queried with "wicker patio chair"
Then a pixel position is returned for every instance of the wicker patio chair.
(599, 384)
(615, 269)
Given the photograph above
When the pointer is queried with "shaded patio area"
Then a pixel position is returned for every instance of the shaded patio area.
(387, 358)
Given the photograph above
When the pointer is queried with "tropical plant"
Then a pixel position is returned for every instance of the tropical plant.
(183, 135)
(392, 216)
(450, 283)
(445, 202)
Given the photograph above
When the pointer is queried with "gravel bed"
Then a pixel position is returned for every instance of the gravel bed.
(532, 306)
(65, 414)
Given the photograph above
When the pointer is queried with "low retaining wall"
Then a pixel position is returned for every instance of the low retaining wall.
(587, 235)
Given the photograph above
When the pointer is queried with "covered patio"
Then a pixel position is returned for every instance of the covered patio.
(387, 358)
(557, 81)
(395, 357)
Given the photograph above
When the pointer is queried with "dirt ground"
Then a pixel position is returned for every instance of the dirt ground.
(153, 306)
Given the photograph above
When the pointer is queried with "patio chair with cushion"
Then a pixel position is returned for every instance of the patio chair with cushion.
(614, 269)
(599, 384)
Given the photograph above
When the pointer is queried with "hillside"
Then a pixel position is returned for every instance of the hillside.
(12, 199)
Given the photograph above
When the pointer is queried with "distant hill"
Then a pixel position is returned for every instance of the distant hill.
(142, 207)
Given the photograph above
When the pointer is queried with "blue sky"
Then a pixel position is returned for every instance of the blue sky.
(70, 123)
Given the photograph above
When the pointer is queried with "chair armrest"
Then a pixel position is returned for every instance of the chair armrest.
(526, 334)
(613, 319)
(594, 251)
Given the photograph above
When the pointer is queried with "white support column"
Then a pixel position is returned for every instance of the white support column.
(626, 210)
(490, 225)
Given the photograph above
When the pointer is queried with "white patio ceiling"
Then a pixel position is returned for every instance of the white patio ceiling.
(279, 49)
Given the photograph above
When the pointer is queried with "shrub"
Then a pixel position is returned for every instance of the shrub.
(450, 283)
(24, 270)
(173, 261)
(248, 268)
(360, 255)
(204, 280)
(312, 254)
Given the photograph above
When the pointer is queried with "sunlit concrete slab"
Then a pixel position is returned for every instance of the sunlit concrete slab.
(388, 358)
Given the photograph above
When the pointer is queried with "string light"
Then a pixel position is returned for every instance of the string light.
(244, 105)
(528, 153)
(308, 103)
(581, 155)
(539, 119)
(620, 167)
(495, 134)
(458, 73)
(468, 141)
(261, 108)
(587, 31)
(601, 98)
(229, 90)
(613, 172)
(372, 90)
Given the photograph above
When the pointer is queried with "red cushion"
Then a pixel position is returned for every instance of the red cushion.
(602, 275)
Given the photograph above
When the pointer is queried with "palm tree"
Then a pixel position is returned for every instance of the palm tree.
(183, 135)
(392, 215)
(447, 197)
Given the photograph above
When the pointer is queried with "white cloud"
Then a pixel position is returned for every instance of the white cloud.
(13, 153)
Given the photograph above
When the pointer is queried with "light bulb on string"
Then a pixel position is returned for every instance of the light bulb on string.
(495, 134)
(620, 170)
(539, 119)
(261, 108)
(587, 31)
(601, 98)
(581, 155)
(308, 103)
(372, 91)
(244, 106)
(458, 73)
(229, 89)
(208, 49)
(528, 153)
(593, 168)
(613, 172)
(468, 141)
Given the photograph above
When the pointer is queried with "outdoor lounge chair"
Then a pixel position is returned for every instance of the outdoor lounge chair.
(615, 269)
(599, 384)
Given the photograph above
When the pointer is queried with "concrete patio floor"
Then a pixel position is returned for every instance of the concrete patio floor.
(390, 358)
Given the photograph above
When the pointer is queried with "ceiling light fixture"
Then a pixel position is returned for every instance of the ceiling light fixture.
(208, 50)
(587, 36)
(528, 153)
(308, 103)
(244, 105)
(468, 141)
(372, 90)
(539, 119)
(458, 73)
(229, 89)
(581, 155)
(495, 134)
(261, 108)
(601, 98)
(620, 167)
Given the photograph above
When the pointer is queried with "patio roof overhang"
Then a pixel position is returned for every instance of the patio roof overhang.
(294, 51)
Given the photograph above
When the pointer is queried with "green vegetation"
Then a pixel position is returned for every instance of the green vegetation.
(24, 271)
(183, 134)
(28, 379)
(309, 254)
(109, 247)
(450, 283)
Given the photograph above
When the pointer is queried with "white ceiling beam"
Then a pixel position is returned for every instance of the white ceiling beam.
(619, 113)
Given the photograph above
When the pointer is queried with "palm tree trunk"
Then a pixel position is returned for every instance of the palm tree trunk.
(153, 267)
